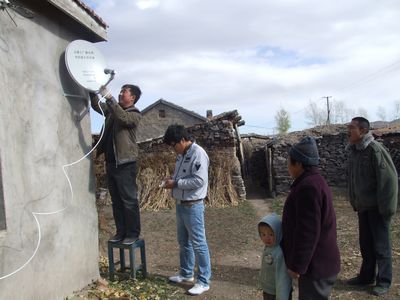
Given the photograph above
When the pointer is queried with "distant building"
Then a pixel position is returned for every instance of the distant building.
(159, 115)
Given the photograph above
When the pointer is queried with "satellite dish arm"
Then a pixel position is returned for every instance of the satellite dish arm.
(112, 75)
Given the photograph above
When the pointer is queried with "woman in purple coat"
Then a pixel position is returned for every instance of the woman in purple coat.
(309, 225)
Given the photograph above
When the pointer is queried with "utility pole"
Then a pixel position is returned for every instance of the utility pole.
(328, 121)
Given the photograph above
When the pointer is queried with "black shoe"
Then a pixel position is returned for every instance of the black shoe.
(129, 240)
(357, 281)
(379, 290)
(116, 238)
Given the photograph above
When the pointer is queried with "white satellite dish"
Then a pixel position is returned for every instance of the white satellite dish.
(86, 65)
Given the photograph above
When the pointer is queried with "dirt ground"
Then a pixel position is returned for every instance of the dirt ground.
(235, 248)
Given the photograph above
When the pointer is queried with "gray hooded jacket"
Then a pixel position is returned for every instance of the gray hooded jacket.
(274, 278)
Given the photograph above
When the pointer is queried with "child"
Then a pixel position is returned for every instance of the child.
(274, 278)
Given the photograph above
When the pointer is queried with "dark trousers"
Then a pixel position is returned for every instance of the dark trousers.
(123, 190)
(273, 297)
(315, 289)
(376, 247)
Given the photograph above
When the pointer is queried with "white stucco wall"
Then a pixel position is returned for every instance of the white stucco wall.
(39, 133)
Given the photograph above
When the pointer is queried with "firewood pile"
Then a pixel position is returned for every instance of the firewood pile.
(157, 161)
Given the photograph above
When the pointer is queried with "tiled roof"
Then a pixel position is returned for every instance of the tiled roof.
(162, 101)
(92, 13)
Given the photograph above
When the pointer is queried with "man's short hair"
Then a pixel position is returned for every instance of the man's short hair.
(362, 122)
(175, 133)
(135, 90)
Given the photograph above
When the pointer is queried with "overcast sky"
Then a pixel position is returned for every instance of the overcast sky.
(256, 56)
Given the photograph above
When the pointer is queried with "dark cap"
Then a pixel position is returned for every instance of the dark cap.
(305, 151)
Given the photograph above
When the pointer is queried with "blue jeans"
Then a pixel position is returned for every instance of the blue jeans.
(192, 242)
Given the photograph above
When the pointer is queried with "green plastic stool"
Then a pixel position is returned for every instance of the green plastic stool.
(132, 266)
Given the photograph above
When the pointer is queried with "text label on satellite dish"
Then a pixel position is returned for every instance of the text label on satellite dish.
(86, 64)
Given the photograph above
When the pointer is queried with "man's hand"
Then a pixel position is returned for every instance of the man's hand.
(169, 183)
(104, 92)
(293, 274)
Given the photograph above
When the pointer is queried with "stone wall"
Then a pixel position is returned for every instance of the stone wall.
(331, 141)
(332, 159)
(392, 141)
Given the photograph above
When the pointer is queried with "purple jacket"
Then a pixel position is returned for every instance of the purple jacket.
(309, 228)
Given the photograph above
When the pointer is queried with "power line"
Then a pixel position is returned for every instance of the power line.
(387, 69)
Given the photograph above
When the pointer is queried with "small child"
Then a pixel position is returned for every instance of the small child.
(274, 278)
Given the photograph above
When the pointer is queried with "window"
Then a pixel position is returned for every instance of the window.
(161, 113)
(2, 212)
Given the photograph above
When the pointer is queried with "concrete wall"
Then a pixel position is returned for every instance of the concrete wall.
(39, 133)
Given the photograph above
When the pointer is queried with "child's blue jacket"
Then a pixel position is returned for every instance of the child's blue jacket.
(274, 278)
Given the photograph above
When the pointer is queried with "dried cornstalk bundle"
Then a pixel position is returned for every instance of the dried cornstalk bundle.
(221, 192)
(155, 166)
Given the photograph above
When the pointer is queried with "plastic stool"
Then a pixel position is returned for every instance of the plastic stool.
(133, 267)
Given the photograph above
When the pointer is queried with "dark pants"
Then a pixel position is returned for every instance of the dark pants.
(376, 247)
(123, 191)
(268, 296)
(273, 297)
(315, 289)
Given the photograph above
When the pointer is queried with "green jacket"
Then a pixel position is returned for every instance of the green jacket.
(372, 177)
(124, 126)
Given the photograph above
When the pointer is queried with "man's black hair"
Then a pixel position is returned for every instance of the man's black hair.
(362, 122)
(175, 133)
(135, 90)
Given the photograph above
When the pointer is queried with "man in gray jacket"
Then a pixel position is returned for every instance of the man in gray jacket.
(121, 153)
(373, 187)
(189, 188)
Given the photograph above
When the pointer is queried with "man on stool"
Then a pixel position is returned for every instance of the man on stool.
(121, 152)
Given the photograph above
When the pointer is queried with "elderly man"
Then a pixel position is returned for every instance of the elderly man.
(373, 187)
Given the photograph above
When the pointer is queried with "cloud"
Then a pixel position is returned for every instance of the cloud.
(256, 56)
(147, 4)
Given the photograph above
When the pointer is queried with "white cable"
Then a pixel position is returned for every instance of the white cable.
(60, 210)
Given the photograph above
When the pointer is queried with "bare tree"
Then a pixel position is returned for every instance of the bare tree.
(315, 115)
(362, 112)
(396, 112)
(282, 120)
(339, 114)
(381, 113)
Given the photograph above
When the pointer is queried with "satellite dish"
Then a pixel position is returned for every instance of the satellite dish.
(86, 65)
